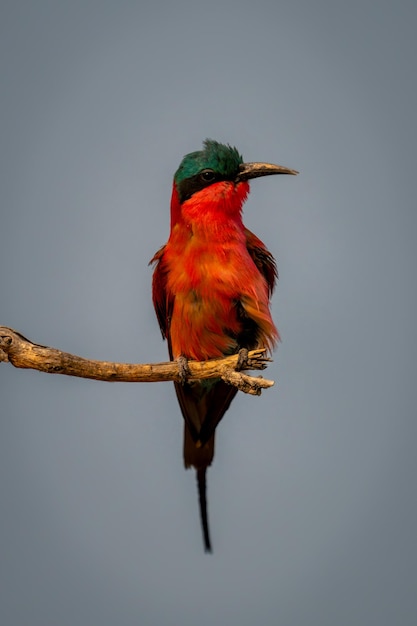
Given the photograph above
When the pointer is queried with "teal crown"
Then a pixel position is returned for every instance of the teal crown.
(221, 158)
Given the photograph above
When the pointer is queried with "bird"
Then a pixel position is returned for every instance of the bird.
(211, 289)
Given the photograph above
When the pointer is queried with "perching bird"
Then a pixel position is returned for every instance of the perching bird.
(211, 289)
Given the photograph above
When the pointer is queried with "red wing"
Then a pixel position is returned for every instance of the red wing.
(161, 302)
(263, 259)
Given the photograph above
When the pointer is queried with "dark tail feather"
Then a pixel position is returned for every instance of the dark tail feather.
(201, 483)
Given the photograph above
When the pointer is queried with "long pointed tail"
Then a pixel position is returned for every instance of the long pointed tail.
(202, 489)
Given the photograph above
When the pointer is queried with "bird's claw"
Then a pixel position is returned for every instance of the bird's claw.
(242, 361)
(183, 369)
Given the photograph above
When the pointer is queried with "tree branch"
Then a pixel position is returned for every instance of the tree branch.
(23, 353)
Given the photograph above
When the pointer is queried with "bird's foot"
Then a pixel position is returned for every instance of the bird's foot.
(242, 361)
(183, 369)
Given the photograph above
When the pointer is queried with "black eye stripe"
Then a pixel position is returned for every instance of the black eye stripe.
(205, 178)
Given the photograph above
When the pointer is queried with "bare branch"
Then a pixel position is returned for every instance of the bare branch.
(23, 353)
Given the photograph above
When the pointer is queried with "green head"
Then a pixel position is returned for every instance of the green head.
(215, 163)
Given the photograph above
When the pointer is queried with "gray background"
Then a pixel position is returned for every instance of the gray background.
(312, 495)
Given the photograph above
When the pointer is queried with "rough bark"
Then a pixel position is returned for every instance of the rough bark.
(23, 353)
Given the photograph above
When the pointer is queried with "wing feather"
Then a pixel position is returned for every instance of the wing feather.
(263, 259)
(162, 303)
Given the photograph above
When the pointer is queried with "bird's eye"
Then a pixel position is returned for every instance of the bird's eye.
(208, 176)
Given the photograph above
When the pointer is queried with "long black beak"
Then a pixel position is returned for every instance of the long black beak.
(254, 170)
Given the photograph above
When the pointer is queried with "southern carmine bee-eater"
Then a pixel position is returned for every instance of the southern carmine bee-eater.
(211, 289)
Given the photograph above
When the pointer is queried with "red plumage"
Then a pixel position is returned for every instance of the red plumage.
(211, 288)
(211, 272)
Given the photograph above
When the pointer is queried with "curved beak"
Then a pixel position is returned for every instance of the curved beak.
(254, 170)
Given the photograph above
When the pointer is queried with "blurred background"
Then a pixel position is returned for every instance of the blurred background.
(312, 498)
